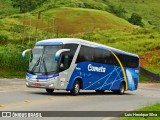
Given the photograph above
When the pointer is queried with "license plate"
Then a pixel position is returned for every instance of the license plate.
(37, 84)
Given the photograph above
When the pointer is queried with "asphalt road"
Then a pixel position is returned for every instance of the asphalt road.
(14, 96)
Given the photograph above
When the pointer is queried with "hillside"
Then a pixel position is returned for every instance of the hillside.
(62, 20)
(147, 9)
(78, 20)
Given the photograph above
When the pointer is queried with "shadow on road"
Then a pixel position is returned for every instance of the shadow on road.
(80, 94)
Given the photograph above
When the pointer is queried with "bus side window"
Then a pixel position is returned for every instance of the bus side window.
(65, 62)
(131, 61)
(67, 57)
(86, 54)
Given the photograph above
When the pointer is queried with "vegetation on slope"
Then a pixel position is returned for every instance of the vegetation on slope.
(6, 8)
(147, 9)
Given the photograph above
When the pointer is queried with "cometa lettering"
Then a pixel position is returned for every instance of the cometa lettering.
(96, 69)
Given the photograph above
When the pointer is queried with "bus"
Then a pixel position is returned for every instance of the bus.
(73, 64)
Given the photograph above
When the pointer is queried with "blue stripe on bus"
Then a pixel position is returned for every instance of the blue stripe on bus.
(49, 43)
(42, 76)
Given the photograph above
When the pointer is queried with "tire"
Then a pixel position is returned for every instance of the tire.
(76, 88)
(50, 91)
(122, 88)
(100, 91)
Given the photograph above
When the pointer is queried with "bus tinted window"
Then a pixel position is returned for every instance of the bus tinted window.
(99, 56)
(106, 57)
(130, 61)
(112, 59)
(85, 54)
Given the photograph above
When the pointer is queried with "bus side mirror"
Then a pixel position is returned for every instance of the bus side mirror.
(24, 53)
(59, 52)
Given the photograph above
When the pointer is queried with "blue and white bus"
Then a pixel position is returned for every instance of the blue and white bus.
(72, 64)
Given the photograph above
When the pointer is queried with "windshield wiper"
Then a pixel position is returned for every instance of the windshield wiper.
(45, 68)
(36, 64)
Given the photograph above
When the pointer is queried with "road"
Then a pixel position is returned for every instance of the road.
(15, 96)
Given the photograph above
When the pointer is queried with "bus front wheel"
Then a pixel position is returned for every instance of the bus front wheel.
(122, 88)
(50, 91)
(76, 88)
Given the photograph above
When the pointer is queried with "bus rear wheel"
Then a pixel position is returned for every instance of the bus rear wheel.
(50, 91)
(76, 88)
(122, 88)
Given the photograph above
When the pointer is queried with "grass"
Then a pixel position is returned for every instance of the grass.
(12, 74)
(152, 61)
(130, 41)
(153, 68)
(143, 79)
(6, 8)
(154, 107)
(79, 20)
(63, 20)
(148, 9)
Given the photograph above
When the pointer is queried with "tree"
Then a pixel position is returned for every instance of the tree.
(26, 5)
(136, 19)
(117, 10)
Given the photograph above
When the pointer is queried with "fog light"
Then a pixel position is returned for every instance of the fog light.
(27, 83)
(51, 85)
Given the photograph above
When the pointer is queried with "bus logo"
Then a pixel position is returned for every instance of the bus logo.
(96, 69)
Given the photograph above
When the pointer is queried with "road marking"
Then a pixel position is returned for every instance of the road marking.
(42, 100)
(62, 98)
(2, 105)
(151, 95)
(3, 91)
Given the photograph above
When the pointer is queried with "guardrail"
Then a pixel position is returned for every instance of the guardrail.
(150, 75)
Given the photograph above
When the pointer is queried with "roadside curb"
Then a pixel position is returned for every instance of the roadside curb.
(149, 88)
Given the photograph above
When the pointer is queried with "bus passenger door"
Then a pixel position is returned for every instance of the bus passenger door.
(63, 71)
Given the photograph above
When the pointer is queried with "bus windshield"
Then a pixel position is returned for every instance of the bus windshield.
(42, 59)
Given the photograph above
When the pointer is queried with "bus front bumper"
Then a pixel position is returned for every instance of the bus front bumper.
(42, 83)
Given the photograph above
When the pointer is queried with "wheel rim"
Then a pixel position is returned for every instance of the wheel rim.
(76, 88)
(122, 88)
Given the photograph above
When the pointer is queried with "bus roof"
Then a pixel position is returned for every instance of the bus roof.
(60, 41)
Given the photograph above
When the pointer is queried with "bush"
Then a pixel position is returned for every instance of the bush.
(11, 58)
(117, 10)
(154, 60)
(136, 19)
(17, 28)
(3, 37)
